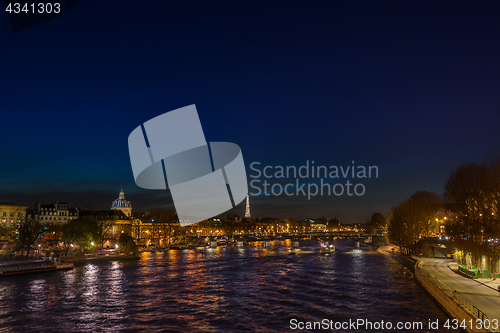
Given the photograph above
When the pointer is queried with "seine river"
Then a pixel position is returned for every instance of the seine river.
(218, 290)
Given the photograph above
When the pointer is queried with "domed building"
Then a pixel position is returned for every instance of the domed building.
(122, 204)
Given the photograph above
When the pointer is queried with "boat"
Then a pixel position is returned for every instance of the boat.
(33, 267)
(326, 248)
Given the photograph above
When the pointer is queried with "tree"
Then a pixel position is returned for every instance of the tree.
(90, 231)
(126, 244)
(53, 232)
(411, 219)
(105, 228)
(29, 231)
(426, 205)
(377, 224)
(70, 235)
(403, 231)
(472, 193)
(137, 229)
(84, 230)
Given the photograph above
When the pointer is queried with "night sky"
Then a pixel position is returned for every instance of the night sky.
(409, 86)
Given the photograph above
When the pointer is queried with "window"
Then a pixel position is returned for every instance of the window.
(18, 214)
(11, 214)
(4, 214)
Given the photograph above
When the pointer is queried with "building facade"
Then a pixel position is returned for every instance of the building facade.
(11, 216)
(57, 213)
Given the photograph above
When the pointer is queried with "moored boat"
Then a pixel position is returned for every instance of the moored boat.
(32, 267)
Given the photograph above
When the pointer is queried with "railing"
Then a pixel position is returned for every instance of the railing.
(468, 307)
(466, 272)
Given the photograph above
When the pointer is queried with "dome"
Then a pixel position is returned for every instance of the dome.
(121, 202)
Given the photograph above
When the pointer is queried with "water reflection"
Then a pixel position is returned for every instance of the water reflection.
(251, 288)
(37, 295)
(90, 283)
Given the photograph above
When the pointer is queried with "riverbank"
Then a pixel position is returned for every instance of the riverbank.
(475, 304)
(443, 296)
(463, 298)
(393, 252)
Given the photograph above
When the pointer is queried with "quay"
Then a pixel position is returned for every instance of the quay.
(463, 298)
(460, 296)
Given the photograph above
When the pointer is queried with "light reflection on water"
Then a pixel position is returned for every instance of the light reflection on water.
(216, 289)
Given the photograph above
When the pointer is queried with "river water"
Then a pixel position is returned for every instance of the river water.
(224, 289)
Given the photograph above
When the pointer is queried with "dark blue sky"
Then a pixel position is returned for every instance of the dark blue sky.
(412, 87)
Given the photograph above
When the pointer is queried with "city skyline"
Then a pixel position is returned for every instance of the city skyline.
(417, 102)
(257, 166)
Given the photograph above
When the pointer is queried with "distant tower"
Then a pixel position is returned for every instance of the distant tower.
(247, 209)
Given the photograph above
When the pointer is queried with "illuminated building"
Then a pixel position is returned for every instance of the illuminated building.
(122, 204)
(11, 216)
